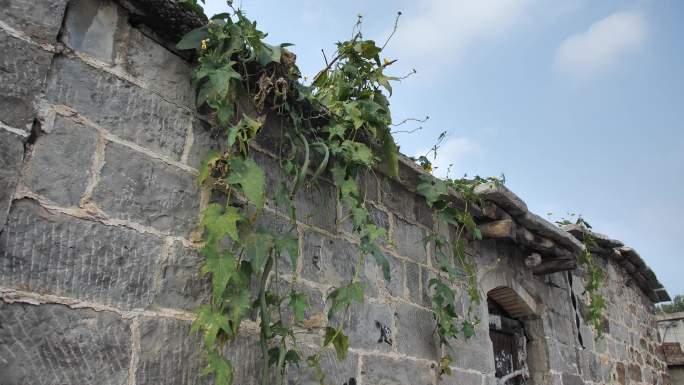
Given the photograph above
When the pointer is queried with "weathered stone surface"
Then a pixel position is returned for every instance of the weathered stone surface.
(181, 285)
(144, 190)
(388, 371)
(23, 68)
(170, 19)
(562, 358)
(398, 199)
(395, 286)
(408, 241)
(459, 377)
(316, 205)
(40, 20)
(503, 197)
(91, 27)
(328, 260)
(56, 345)
(336, 372)
(124, 109)
(544, 228)
(413, 282)
(415, 332)
(11, 157)
(204, 139)
(498, 229)
(601, 240)
(61, 162)
(475, 353)
(161, 70)
(572, 379)
(54, 253)
(634, 372)
(371, 326)
(169, 354)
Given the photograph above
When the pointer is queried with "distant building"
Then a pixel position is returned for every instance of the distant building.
(672, 331)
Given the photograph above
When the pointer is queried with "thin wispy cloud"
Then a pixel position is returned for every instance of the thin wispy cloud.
(443, 30)
(450, 156)
(602, 45)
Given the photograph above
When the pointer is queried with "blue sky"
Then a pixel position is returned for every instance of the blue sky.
(580, 103)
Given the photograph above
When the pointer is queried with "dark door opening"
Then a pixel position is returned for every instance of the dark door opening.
(509, 345)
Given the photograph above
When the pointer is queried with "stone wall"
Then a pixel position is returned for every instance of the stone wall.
(99, 149)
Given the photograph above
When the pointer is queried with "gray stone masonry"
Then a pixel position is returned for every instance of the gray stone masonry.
(99, 254)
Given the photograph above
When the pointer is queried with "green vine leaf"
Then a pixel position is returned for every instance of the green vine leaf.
(211, 323)
(298, 303)
(239, 305)
(431, 188)
(250, 177)
(358, 153)
(290, 245)
(218, 223)
(338, 340)
(221, 78)
(220, 367)
(193, 39)
(344, 296)
(222, 265)
(257, 246)
(207, 166)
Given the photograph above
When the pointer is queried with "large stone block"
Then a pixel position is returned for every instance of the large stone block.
(40, 20)
(144, 190)
(181, 285)
(56, 345)
(317, 205)
(371, 326)
(416, 332)
(205, 139)
(124, 109)
(161, 70)
(169, 354)
(342, 372)
(92, 27)
(398, 199)
(61, 162)
(331, 261)
(459, 377)
(54, 253)
(562, 357)
(388, 371)
(11, 157)
(23, 68)
(408, 241)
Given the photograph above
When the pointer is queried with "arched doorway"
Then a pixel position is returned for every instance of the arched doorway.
(517, 338)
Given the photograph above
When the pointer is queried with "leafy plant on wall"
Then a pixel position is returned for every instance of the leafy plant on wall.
(337, 128)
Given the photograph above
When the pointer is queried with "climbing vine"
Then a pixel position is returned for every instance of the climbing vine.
(336, 129)
(338, 126)
(456, 268)
(594, 275)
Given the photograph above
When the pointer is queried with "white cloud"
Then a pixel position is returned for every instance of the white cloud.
(451, 155)
(444, 29)
(602, 45)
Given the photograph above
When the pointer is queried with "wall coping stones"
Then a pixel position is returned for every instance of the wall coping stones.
(169, 18)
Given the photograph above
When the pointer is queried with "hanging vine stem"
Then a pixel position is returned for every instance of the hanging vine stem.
(594, 273)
